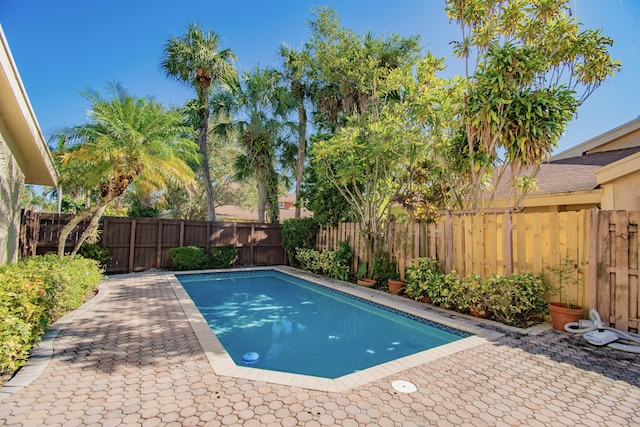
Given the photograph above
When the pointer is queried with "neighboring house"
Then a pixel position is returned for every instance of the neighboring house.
(24, 156)
(285, 203)
(601, 172)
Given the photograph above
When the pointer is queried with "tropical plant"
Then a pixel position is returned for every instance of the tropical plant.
(516, 300)
(298, 233)
(423, 277)
(529, 67)
(366, 105)
(196, 59)
(321, 196)
(295, 64)
(325, 263)
(344, 253)
(127, 140)
(96, 252)
(222, 256)
(258, 105)
(384, 269)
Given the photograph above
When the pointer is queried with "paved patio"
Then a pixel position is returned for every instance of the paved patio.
(130, 357)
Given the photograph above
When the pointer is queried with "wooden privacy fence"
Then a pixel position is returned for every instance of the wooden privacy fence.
(604, 244)
(138, 244)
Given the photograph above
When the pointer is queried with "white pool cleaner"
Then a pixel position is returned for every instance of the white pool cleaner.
(597, 333)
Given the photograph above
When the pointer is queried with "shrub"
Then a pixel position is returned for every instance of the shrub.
(344, 253)
(222, 256)
(36, 292)
(188, 258)
(324, 263)
(384, 269)
(298, 233)
(448, 292)
(97, 252)
(423, 278)
(517, 300)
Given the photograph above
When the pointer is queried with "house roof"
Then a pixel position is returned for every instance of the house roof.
(236, 213)
(601, 158)
(19, 124)
(600, 140)
(554, 178)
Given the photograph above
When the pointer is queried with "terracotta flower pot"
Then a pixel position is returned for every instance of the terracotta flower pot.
(561, 314)
(395, 285)
(366, 282)
(481, 313)
(426, 299)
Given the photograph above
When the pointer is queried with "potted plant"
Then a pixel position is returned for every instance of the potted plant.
(565, 310)
(385, 270)
(362, 271)
(395, 283)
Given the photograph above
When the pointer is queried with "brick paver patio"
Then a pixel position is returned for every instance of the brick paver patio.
(129, 357)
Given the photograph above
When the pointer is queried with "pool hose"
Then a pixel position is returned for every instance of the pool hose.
(597, 333)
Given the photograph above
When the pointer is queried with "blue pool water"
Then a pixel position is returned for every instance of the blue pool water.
(300, 327)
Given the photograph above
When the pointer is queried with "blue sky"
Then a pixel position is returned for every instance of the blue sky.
(64, 47)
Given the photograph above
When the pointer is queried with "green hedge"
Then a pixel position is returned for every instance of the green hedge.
(298, 233)
(36, 292)
(327, 263)
(516, 300)
(197, 258)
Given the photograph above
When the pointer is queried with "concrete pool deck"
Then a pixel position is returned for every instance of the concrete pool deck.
(131, 357)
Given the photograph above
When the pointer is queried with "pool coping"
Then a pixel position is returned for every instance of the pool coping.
(222, 364)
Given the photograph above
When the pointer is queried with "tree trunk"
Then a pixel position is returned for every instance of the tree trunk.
(302, 146)
(262, 200)
(271, 193)
(77, 219)
(202, 143)
(93, 225)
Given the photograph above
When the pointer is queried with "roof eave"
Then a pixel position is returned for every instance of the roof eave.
(27, 142)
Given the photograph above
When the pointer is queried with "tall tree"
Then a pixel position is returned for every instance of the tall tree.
(259, 105)
(529, 67)
(295, 64)
(127, 140)
(196, 59)
(349, 70)
(358, 103)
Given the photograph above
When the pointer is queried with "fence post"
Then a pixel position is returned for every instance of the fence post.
(448, 242)
(132, 245)
(508, 243)
(621, 301)
(105, 231)
(159, 249)
(592, 257)
(252, 244)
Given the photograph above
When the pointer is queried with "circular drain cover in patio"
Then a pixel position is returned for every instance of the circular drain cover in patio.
(404, 386)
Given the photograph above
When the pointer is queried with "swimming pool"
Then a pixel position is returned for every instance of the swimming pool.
(296, 326)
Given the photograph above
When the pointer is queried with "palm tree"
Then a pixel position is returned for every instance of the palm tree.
(260, 105)
(295, 63)
(195, 59)
(128, 140)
